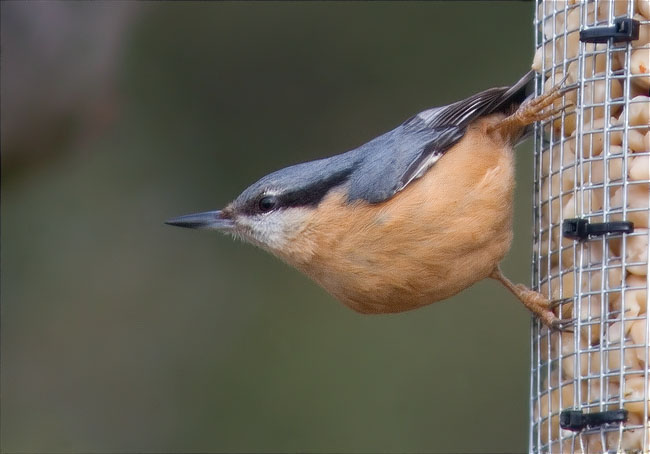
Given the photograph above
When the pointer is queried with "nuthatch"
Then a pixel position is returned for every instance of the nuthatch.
(412, 217)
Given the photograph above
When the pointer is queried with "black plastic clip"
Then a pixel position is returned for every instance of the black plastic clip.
(624, 29)
(581, 229)
(576, 420)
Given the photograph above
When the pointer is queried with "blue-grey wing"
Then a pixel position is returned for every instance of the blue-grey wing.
(387, 164)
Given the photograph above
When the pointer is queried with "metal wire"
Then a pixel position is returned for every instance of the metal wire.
(586, 166)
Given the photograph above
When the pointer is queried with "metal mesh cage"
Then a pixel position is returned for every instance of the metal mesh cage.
(591, 164)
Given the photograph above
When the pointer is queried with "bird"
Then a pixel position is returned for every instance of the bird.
(411, 217)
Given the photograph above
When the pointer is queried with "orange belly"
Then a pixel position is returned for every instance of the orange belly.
(438, 236)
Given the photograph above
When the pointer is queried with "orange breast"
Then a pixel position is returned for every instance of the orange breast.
(438, 236)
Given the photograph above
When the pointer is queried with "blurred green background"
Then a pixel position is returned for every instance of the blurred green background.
(121, 334)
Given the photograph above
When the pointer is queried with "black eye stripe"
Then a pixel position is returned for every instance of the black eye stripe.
(312, 195)
(309, 195)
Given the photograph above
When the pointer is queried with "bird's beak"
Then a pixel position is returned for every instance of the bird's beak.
(210, 220)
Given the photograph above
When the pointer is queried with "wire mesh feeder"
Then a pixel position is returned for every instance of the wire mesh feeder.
(589, 386)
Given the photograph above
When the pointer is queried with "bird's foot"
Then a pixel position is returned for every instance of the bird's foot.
(537, 303)
(533, 110)
(542, 307)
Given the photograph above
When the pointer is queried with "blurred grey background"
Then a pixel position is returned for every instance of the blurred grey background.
(121, 334)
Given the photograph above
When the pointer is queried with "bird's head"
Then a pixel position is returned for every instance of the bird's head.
(275, 210)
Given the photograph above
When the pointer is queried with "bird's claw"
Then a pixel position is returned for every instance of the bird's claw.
(556, 302)
(562, 325)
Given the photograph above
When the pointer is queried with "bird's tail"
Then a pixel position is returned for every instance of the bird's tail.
(514, 96)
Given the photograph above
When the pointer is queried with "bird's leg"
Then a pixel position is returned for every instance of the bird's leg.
(537, 303)
(532, 110)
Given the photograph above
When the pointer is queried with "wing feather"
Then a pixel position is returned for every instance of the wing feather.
(389, 163)
(451, 121)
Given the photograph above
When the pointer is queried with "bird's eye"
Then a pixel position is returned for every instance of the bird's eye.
(267, 203)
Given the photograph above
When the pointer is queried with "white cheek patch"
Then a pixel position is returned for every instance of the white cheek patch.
(274, 230)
